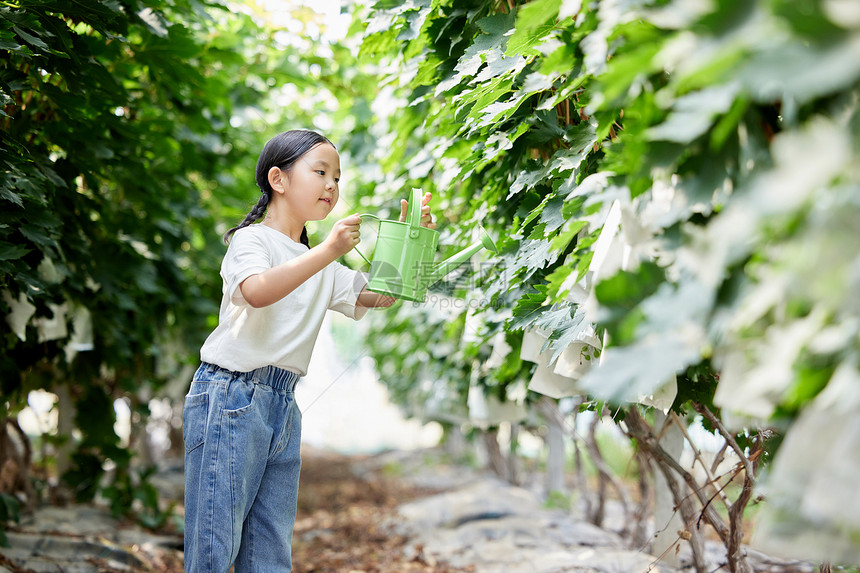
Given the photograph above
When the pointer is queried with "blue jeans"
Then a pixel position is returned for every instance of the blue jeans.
(242, 433)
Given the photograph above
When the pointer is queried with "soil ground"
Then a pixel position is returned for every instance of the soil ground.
(346, 513)
(342, 524)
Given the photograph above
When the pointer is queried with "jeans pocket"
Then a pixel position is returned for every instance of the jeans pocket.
(241, 397)
(194, 417)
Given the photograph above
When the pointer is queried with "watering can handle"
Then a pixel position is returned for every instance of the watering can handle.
(413, 213)
(363, 215)
(413, 216)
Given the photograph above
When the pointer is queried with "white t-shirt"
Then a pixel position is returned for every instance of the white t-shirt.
(281, 334)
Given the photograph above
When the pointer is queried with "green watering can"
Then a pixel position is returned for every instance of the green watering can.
(402, 264)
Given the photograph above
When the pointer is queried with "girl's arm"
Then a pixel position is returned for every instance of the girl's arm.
(275, 283)
(369, 299)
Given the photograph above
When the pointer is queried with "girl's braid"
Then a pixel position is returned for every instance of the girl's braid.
(256, 212)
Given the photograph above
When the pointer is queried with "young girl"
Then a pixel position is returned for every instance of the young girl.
(241, 425)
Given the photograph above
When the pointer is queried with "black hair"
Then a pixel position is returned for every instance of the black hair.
(281, 151)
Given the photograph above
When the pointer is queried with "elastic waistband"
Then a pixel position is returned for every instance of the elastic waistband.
(271, 376)
(277, 378)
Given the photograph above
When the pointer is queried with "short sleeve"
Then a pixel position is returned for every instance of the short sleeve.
(348, 284)
(246, 256)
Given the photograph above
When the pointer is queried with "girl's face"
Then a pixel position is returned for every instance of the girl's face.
(313, 183)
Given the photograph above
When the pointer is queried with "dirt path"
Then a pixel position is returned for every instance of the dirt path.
(399, 512)
(341, 525)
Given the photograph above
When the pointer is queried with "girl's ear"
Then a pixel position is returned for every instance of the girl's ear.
(278, 179)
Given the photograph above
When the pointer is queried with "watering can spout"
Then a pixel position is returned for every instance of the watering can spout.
(456, 260)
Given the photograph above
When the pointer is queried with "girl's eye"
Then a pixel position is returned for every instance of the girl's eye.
(321, 172)
(337, 179)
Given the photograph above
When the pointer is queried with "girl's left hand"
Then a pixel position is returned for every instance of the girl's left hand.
(426, 217)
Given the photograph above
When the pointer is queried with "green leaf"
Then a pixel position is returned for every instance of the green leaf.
(527, 179)
(534, 21)
(497, 25)
(493, 40)
(568, 232)
(528, 309)
(557, 316)
(8, 43)
(31, 39)
(9, 252)
(556, 279)
(694, 113)
(551, 214)
(535, 212)
(563, 60)
(11, 196)
(39, 235)
(535, 254)
(800, 72)
(569, 331)
(622, 71)
(626, 289)
(627, 373)
(810, 381)
(808, 18)
(728, 123)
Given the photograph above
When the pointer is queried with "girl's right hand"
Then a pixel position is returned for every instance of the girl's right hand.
(345, 235)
